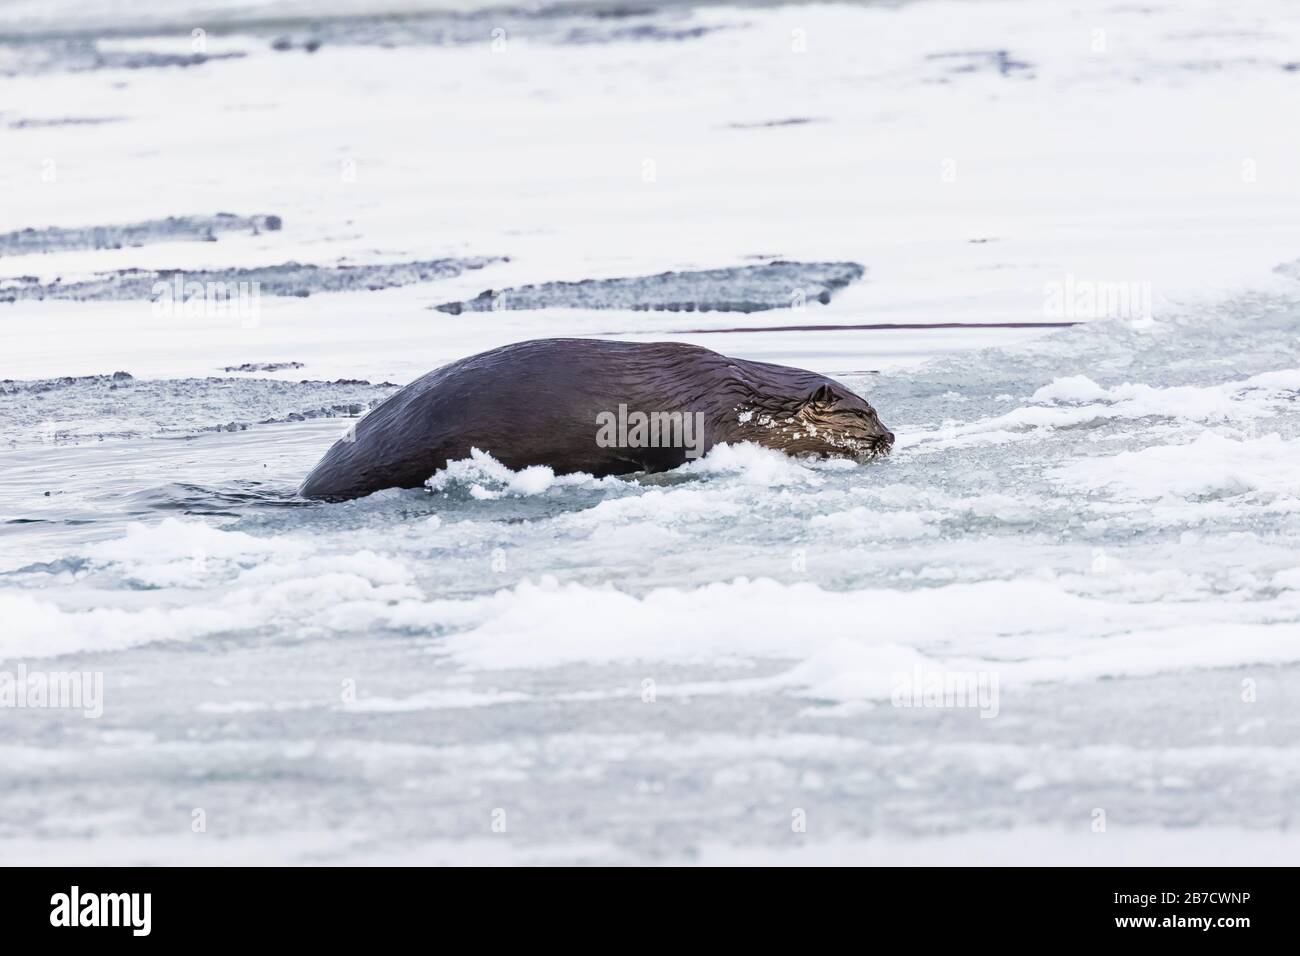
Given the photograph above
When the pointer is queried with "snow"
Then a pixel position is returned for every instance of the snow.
(1210, 466)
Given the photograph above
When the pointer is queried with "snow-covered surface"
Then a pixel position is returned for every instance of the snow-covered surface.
(702, 666)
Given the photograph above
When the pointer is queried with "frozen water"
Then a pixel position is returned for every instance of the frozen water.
(647, 666)
(171, 229)
(1097, 525)
(773, 285)
(186, 288)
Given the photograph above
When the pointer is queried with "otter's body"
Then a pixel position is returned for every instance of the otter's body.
(544, 402)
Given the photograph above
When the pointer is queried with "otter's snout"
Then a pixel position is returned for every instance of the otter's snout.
(882, 444)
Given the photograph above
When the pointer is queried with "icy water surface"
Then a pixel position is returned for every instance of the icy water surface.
(693, 665)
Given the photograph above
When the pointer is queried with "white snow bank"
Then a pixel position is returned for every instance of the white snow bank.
(1211, 466)
(1076, 400)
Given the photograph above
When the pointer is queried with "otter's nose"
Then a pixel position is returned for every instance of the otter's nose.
(889, 437)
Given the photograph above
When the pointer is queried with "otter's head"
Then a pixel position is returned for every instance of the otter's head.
(831, 422)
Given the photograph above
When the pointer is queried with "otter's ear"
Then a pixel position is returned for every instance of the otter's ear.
(824, 395)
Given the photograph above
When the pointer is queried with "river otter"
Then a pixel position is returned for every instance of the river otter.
(604, 408)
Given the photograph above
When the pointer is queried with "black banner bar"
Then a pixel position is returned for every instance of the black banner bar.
(331, 907)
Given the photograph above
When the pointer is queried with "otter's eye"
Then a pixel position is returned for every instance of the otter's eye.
(824, 396)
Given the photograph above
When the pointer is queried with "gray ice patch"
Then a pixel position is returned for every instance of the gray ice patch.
(287, 279)
(756, 288)
(55, 122)
(172, 229)
(262, 367)
(564, 24)
(978, 61)
(775, 123)
(561, 25)
(78, 54)
(1289, 269)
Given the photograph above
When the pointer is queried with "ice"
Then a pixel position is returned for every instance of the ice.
(1210, 466)
(485, 478)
